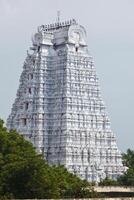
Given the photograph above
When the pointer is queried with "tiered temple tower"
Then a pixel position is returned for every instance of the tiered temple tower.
(59, 105)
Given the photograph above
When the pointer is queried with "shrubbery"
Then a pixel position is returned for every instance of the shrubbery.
(128, 178)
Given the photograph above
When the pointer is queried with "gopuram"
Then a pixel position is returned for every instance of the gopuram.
(59, 107)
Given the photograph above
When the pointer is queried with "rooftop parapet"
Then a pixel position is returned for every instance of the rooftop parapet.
(55, 26)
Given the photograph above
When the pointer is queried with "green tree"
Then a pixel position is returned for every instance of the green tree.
(108, 182)
(25, 174)
(128, 158)
(71, 186)
(127, 178)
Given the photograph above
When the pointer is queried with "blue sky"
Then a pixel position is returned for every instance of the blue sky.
(110, 31)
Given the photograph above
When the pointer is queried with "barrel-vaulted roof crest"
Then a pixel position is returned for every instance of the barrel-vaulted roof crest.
(57, 25)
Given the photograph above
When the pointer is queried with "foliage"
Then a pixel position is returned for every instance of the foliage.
(128, 158)
(108, 182)
(71, 186)
(128, 178)
(25, 174)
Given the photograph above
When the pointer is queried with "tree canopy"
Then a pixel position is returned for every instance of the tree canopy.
(25, 174)
(128, 178)
(128, 158)
(108, 182)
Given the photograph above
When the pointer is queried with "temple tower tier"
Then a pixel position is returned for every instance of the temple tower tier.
(59, 107)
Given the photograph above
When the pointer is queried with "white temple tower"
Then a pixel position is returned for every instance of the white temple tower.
(59, 105)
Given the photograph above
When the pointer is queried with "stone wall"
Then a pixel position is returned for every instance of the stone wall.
(114, 189)
(121, 198)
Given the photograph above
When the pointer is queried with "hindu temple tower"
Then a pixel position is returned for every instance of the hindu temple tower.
(59, 107)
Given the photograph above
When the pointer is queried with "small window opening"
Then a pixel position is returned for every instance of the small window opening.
(27, 106)
(29, 90)
(76, 49)
(33, 62)
(24, 121)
